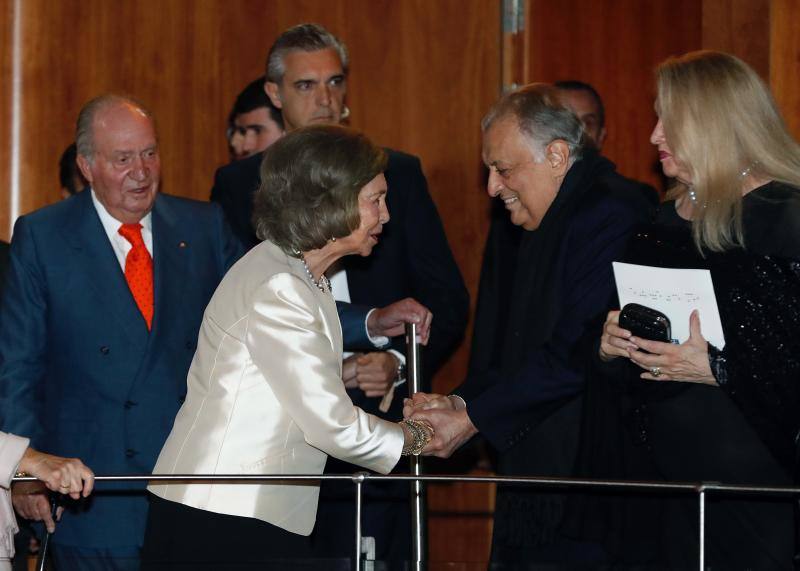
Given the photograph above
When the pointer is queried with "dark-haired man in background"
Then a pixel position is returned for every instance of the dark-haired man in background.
(584, 100)
(307, 70)
(254, 122)
(586, 103)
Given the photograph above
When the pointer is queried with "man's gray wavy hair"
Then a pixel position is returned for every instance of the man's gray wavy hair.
(542, 118)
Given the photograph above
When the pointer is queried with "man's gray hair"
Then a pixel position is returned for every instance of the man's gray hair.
(84, 132)
(303, 37)
(541, 118)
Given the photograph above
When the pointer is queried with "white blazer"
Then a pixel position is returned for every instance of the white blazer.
(265, 396)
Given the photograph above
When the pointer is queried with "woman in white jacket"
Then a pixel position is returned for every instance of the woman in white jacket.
(264, 391)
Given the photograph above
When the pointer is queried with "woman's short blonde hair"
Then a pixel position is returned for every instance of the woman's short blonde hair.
(719, 120)
(310, 180)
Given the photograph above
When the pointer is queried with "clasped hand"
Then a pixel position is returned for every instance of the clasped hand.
(448, 417)
(687, 362)
(68, 476)
(374, 373)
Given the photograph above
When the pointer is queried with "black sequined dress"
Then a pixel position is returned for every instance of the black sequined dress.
(743, 431)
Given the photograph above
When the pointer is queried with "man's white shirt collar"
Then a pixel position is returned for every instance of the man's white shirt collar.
(111, 225)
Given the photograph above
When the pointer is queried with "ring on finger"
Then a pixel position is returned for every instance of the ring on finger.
(655, 371)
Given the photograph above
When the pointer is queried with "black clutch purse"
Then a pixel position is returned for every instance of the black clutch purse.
(645, 323)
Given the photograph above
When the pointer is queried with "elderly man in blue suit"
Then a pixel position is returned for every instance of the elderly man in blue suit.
(99, 324)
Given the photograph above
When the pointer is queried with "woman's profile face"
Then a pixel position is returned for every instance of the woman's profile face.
(671, 166)
(373, 214)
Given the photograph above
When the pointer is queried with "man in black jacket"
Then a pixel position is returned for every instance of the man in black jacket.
(543, 289)
(307, 71)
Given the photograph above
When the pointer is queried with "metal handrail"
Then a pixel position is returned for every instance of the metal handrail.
(366, 476)
(360, 478)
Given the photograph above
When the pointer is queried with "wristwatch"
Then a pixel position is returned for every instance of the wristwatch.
(401, 371)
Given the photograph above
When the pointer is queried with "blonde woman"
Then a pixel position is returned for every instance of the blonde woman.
(698, 413)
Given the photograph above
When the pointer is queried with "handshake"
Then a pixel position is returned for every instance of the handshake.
(446, 415)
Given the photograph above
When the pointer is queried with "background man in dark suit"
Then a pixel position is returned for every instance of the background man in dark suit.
(254, 122)
(586, 103)
(307, 80)
(100, 315)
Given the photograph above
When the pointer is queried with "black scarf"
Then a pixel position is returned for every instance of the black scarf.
(535, 307)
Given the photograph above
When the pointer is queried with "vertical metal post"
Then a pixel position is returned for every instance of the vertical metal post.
(358, 480)
(702, 494)
(419, 547)
(41, 561)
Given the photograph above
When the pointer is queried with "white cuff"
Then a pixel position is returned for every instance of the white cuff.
(380, 340)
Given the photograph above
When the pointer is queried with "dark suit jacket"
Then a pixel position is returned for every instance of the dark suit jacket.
(80, 374)
(543, 296)
(413, 258)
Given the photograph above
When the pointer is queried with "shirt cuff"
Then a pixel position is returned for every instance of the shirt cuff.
(380, 340)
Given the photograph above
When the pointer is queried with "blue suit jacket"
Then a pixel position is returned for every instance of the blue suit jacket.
(80, 373)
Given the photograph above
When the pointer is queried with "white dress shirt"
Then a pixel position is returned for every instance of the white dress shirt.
(111, 225)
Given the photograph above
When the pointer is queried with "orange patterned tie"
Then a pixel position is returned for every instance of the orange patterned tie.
(139, 270)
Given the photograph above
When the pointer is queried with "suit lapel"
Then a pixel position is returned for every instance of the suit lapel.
(95, 258)
(170, 257)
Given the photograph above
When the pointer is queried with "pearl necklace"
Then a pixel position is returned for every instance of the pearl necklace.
(742, 176)
(323, 284)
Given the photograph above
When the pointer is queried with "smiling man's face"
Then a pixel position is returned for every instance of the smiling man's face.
(526, 187)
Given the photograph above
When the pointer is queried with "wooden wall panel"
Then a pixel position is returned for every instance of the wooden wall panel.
(785, 60)
(739, 27)
(614, 45)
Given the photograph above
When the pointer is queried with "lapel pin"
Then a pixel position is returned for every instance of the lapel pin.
(181, 244)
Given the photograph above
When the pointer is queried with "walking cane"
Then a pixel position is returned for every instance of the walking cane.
(419, 534)
(42, 559)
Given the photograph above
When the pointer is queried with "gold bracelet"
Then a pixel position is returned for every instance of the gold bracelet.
(421, 433)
